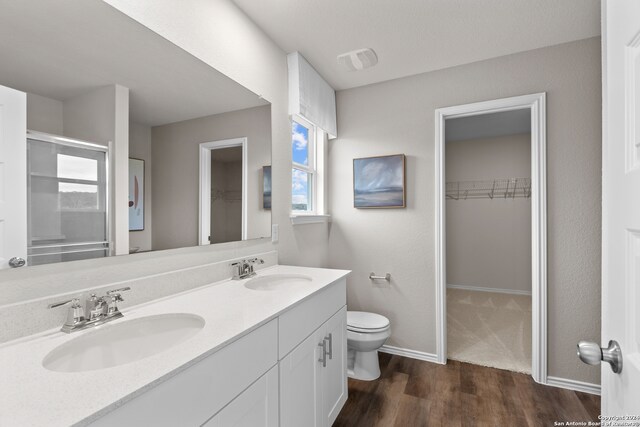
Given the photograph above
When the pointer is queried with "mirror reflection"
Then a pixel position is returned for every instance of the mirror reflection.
(132, 144)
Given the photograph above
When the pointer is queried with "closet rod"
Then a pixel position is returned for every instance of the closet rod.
(505, 188)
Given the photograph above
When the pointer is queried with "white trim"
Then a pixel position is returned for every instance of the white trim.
(441, 242)
(204, 218)
(537, 103)
(309, 219)
(485, 289)
(322, 185)
(574, 385)
(413, 354)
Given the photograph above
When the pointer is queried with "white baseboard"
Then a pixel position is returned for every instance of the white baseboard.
(485, 289)
(574, 385)
(413, 354)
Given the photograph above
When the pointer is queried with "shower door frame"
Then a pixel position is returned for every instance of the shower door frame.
(537, 104)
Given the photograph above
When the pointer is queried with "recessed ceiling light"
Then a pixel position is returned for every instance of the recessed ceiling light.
(357, 60)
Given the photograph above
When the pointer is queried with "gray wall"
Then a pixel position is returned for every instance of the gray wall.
(91, 116)
(176, 177)
(398, 117)
(44, 114)
(503, 225)
(140, 148)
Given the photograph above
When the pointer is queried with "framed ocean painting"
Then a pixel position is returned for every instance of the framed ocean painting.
(379, 182)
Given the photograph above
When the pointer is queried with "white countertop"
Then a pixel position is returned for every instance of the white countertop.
(31, 395)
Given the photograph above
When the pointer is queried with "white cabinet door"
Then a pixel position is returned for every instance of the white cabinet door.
(13, 175)
(333, 377)
(312, 392)
(300, 385)
(257, 406)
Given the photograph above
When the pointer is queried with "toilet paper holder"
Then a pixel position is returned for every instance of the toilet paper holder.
(387, 277)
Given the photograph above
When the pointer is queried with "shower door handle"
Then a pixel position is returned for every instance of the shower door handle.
(17, 262)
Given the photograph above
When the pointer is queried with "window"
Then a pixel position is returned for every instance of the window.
(308, 144)
(303, 172)
(77, 183)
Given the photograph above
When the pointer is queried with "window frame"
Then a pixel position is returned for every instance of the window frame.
(311, 168)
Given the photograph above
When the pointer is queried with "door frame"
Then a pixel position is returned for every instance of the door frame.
(204, 219)
(537, 104)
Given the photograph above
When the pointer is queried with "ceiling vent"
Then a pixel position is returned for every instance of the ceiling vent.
(357, 60)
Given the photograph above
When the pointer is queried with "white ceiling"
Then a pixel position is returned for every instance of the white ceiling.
(488, 125)
(60, 49)
(416, 36)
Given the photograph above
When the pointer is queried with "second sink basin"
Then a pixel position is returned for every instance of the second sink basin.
(121, 343)
(272, 282)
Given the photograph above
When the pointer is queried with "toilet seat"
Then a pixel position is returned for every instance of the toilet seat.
(361, 321)
(365, 330)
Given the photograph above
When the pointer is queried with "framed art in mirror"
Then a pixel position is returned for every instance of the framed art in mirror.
(136, 195)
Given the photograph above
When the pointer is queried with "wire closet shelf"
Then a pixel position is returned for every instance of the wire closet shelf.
(506, 188)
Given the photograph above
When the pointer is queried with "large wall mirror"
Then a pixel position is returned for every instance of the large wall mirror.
(198, 166)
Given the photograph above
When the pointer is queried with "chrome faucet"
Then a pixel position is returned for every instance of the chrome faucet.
(98, 309)
(245, 268)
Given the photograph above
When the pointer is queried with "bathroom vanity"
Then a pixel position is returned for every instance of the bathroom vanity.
(270, 351)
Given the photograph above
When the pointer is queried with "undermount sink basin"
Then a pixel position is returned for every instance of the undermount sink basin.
(121, 343)
(274, 282)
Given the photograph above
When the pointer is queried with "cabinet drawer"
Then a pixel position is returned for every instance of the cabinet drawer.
(191, 397)
(300, 322)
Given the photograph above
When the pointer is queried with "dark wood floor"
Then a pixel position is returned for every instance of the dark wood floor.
(415, 393)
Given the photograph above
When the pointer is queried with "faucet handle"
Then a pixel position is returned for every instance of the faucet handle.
(255, 261)
(75, 303)
(237, 269)
(117, 291)
(116, 297)
(75, 315)
(112, 305)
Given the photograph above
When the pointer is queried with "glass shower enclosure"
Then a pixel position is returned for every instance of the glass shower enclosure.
(67, 199)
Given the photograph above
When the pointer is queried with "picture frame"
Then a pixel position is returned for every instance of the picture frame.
(379, 182)
(136, 194)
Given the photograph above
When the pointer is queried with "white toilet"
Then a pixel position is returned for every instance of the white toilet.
(366, 333)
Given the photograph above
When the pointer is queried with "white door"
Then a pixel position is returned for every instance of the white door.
(13, 178)
(334, 375)
(300, 394)
(621, 203)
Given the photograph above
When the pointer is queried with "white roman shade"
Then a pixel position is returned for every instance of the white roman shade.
(310, 96)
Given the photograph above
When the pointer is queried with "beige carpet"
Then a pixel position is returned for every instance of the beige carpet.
(489, 329)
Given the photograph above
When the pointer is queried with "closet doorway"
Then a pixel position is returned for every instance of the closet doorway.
(491, 234)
